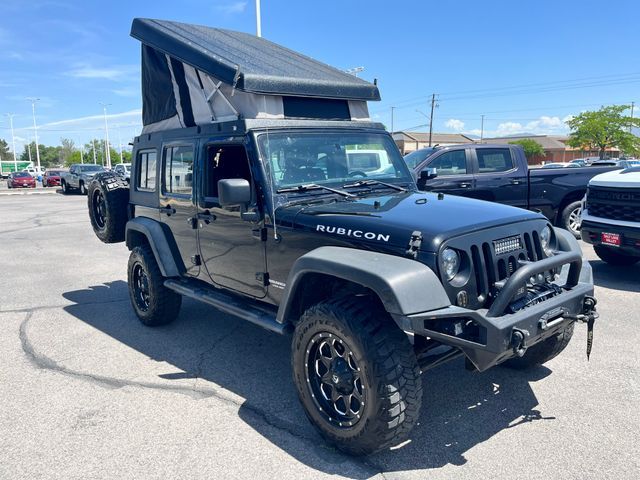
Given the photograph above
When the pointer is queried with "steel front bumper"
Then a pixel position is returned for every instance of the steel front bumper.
(497, 331)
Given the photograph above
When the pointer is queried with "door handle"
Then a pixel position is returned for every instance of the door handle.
(515, 181)
(464, 184)
(169, 210)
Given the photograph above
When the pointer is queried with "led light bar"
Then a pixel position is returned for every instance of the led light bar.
(507, 245)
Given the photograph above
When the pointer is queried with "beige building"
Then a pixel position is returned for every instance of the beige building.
(555, 148)
(411, 141)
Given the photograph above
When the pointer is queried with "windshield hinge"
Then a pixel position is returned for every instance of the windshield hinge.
(263, 278)
(414, 245)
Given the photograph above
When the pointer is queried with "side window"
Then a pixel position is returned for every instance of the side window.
(178, 170)
(224, 162)
(494, 160)
(450, 163)
(146, 170)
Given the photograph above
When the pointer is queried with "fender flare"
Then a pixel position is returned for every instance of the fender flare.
(403, 285)
(164, 250)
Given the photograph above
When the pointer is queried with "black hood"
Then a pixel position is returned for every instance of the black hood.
(391, 219)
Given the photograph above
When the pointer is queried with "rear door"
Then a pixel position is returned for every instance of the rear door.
(455, 175)
(177, 206)
(498, 178)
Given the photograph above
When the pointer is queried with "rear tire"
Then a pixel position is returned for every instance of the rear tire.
(153, 303)
(82, 189)
(570, 218)
(107, 200)
(356, 374)
(65, 188)
(542, 352)
(615, 258)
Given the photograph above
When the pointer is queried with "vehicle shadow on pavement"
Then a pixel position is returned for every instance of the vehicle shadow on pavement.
(625, 278)
(461, 409)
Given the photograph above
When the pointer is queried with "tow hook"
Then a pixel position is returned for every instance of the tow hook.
(518, 341)
(588, 316)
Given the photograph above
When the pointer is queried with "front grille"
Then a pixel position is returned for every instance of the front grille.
(614, 203)
(496, 261)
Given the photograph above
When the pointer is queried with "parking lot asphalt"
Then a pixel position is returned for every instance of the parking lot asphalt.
(87, 392)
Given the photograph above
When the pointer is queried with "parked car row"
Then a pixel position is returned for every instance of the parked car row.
(76, 178)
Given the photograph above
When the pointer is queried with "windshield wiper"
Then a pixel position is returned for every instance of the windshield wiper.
(313, 186)
(366, 183)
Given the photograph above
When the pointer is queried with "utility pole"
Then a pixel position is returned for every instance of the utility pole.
(93, 142)
(433, 106)
(481, 128)
(107, 153)
(13, 142)
(29, 150)
(392, 109)
(632, 105)
(33, 101)
(258, 20)
(119, 143)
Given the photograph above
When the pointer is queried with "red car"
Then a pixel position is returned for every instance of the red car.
(51, 178)
(21, 180)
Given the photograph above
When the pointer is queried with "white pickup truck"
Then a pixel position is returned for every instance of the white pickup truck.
(610, 219)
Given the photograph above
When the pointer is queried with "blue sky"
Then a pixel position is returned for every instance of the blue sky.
(525, 65)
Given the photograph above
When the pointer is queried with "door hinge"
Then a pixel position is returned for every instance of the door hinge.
(260, 233)
(196, 260)
(263, 278)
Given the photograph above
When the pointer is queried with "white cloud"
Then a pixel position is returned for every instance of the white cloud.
(115, 73)
(509, 128)
(132, 114)
(127, 92)
(454, 124)
(231, 8)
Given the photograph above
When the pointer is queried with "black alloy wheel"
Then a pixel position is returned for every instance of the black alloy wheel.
(334, 379)
(141, 292)
(99, 208)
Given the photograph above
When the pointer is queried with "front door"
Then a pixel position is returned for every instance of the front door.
(498, 179)
(177, 207)
(232, 247)
(454, 173)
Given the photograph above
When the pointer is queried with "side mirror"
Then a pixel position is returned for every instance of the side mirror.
(234, 192)
(426, 175)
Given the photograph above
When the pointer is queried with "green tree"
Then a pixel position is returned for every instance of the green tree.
(531, 147)
(4, 149)
(604, 128)
(67, 147)
(49, 156)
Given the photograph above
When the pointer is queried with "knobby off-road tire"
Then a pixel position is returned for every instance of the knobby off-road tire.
(153, 303)
(542, 352)
(607, 254)
(107, 200)
(376, 374)
(570, 218)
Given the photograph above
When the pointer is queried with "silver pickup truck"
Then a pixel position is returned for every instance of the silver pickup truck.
(78, 177)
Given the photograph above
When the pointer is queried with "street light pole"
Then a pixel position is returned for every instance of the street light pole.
(258, 20)
(481, 128)
(35, 128)
(13, 143)
(93, 142)
(107, 153)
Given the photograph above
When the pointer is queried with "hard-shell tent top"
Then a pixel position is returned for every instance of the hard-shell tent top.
(196, 75)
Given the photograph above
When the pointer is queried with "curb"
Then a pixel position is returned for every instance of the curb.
(26, 192)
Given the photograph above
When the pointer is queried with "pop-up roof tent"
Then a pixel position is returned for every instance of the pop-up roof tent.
(195, 75)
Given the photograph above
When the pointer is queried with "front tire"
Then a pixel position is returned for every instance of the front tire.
(153, 303)
(65, 188)
(542, 352)
(356, 375)
(614, 258)
(570, 218)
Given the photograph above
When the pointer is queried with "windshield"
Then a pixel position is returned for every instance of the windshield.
(91, 168)
(53, 173)
(414, 159)
(326, 158)
(21, 174)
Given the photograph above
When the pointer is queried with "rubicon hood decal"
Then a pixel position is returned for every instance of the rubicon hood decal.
(355, 233)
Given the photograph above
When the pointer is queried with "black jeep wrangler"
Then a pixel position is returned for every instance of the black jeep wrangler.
(299, 215)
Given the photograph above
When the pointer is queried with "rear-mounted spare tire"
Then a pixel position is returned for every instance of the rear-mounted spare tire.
(107, 199)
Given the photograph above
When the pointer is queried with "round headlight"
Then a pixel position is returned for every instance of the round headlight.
(450, 263)
(545, 241)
